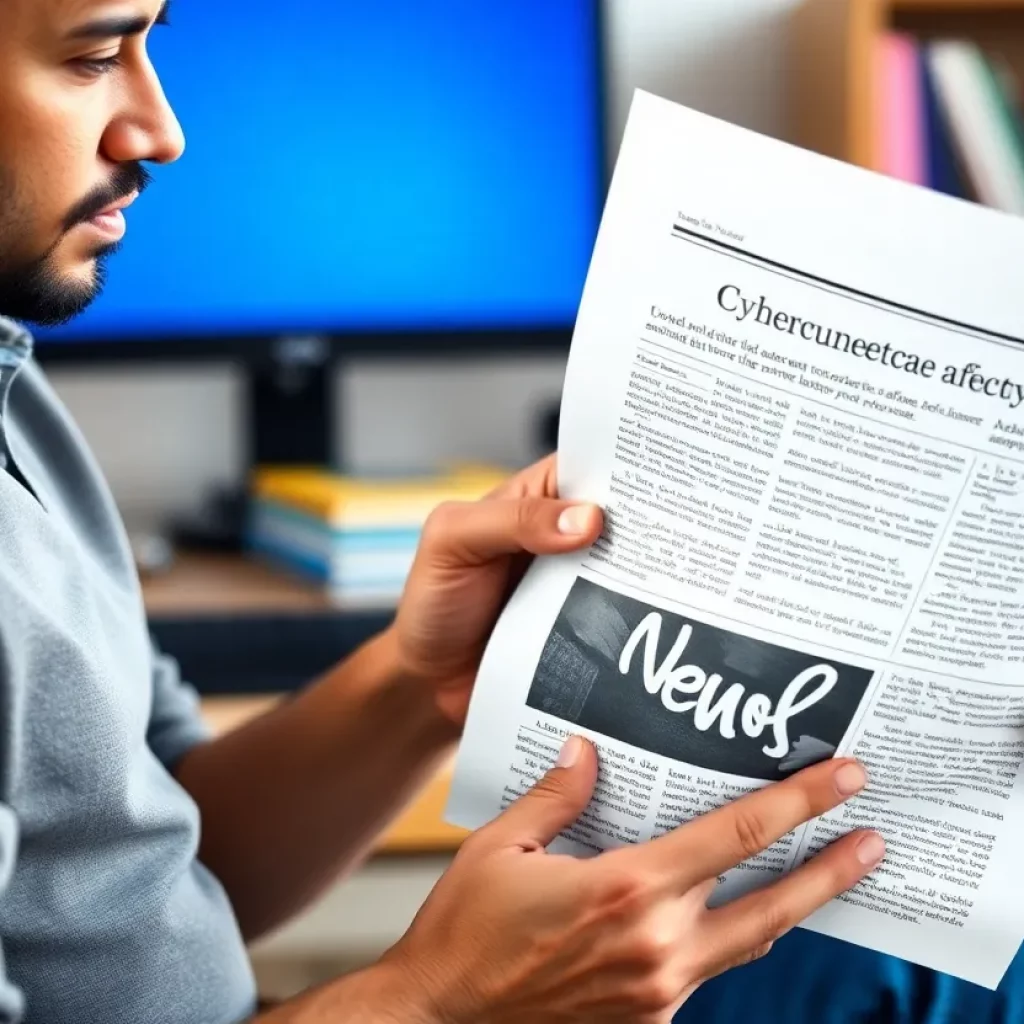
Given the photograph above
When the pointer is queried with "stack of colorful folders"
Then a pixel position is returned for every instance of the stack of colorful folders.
(355, 536)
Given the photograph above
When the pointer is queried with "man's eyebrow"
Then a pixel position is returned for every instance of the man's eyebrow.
(111, 28)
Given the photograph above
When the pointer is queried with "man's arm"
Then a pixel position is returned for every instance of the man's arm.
(297, 797)
(380, 994)
(509, 934)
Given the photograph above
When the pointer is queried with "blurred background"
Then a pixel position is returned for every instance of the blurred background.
(725, 59)
(354, 296)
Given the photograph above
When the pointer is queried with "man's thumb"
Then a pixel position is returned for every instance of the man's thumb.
(554, 803)
(475, 532)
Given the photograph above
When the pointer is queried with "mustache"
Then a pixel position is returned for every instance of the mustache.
(128, 178)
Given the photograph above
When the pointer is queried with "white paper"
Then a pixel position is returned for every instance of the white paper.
(814, 546)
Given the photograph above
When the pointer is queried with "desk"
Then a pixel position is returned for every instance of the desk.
(238, 627)
(210, 585)
(241, 606)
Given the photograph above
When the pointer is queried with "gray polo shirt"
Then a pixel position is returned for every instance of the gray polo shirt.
(106, 914)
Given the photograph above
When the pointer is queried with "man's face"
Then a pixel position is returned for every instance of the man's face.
(80, 109)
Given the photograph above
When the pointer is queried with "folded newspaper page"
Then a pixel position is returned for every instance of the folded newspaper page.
(797, 388)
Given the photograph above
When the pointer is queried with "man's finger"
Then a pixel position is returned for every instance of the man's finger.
(477, 532)
(552, 805)
(755, 921)
(723, 838)
(537, 481)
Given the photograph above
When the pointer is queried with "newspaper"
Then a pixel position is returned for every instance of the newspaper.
(798, 390)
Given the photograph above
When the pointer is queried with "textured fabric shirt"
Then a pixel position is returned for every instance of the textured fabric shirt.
(106, 914)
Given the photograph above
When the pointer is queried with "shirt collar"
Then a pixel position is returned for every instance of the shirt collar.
(15, 343)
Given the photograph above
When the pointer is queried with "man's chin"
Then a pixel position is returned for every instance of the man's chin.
(44, 296)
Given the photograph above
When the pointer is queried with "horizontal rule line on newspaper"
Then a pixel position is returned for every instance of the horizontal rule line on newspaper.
(898, 308)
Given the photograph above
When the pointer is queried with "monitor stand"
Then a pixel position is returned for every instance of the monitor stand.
(292, 418)
(290, 413)
(289, 419)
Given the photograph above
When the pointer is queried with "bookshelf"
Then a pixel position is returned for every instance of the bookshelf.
(833, 99)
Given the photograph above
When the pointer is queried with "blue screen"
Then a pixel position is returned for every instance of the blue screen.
(365, 166)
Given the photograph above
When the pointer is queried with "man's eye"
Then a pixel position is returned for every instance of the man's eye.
(97, 65)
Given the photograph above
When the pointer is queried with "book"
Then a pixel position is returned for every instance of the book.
(355, 536)
(944, 172)
(901, 109)
(984, 139)
(1006, 95)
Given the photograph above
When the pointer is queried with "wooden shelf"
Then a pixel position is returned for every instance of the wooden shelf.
(218, 584)
(833, 56)
(238, 626)
(971, 7)
(831, 77)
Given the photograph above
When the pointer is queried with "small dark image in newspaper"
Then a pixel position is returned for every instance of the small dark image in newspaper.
(684, 689)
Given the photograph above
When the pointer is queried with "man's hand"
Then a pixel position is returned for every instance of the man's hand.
(471, 556)
(513, 934)
(296, 797)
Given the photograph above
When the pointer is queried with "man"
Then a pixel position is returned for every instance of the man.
(136, 856)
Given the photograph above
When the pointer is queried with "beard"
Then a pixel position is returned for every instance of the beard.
(36, 291)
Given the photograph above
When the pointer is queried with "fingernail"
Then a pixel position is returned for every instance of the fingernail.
(871, 849)
(570, 752)
(850, 779)
(575, 520)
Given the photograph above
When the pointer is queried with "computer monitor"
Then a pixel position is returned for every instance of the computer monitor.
(361, 177)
